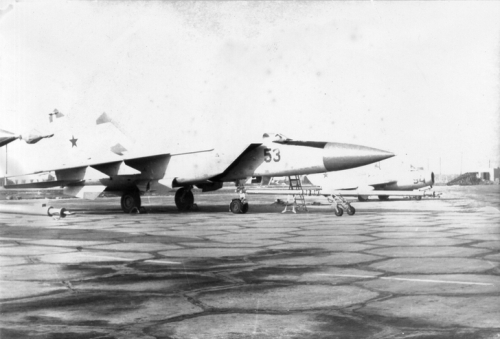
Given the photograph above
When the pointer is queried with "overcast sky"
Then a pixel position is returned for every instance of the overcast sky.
(420, 79)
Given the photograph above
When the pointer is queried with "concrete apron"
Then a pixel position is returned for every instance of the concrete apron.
(423, 269)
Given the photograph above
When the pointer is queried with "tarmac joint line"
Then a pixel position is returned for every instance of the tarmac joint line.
(163, 262)
(408, 279)
(126, 259)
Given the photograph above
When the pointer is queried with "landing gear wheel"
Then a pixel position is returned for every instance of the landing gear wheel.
(130, 201)
(418, 197)
(383, 197)
(184, 199)
(244, 208)
(339, 211)
(236, 206)
(362, 199)
(351, 210)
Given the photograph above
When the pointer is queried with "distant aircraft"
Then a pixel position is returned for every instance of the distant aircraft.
(7, 137)
(207, 169)
(336, 186)
(408, 184)
(382, 184)
(33, 137)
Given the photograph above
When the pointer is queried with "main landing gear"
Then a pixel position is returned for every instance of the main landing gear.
(131, 201)
(184, 198)
(340, 205)
(240, 205)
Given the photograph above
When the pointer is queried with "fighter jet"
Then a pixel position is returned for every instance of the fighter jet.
(382, 185)
(415, 183)
(204, 168)
(33, 137)
(406, 184)
(7, 137)
(412, 184)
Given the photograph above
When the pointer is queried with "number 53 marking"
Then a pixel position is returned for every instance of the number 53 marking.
(268, 156)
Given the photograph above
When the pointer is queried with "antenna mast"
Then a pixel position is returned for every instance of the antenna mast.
(6, 165)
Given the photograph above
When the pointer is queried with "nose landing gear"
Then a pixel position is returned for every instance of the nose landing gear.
(340, 205)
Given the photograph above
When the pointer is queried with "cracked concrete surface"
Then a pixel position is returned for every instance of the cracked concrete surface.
(396, 269)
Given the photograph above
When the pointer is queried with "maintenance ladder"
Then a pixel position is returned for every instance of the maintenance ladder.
(295, 184)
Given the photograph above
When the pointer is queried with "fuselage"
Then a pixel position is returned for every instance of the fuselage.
(209, 168)
(274, 159)
(405, 181)
(411, 181)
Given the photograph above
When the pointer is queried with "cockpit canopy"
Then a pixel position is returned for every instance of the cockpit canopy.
(275, 137)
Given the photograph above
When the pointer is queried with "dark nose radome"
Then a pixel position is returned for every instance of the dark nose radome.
(338, 156)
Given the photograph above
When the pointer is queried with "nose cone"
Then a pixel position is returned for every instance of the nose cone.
(338, 156)
(6, 137)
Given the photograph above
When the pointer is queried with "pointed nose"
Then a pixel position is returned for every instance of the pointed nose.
(6, 137)
(338, 156)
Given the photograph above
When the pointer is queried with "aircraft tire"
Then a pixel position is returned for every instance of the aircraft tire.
(418, 197)
(130, 201)
(351, 210)
(339, 211)
(383, 197)
(362, 199)
(184, 199)
(236, 206)
(244, 208)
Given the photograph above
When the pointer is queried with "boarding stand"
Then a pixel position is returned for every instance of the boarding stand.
(298, 200)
